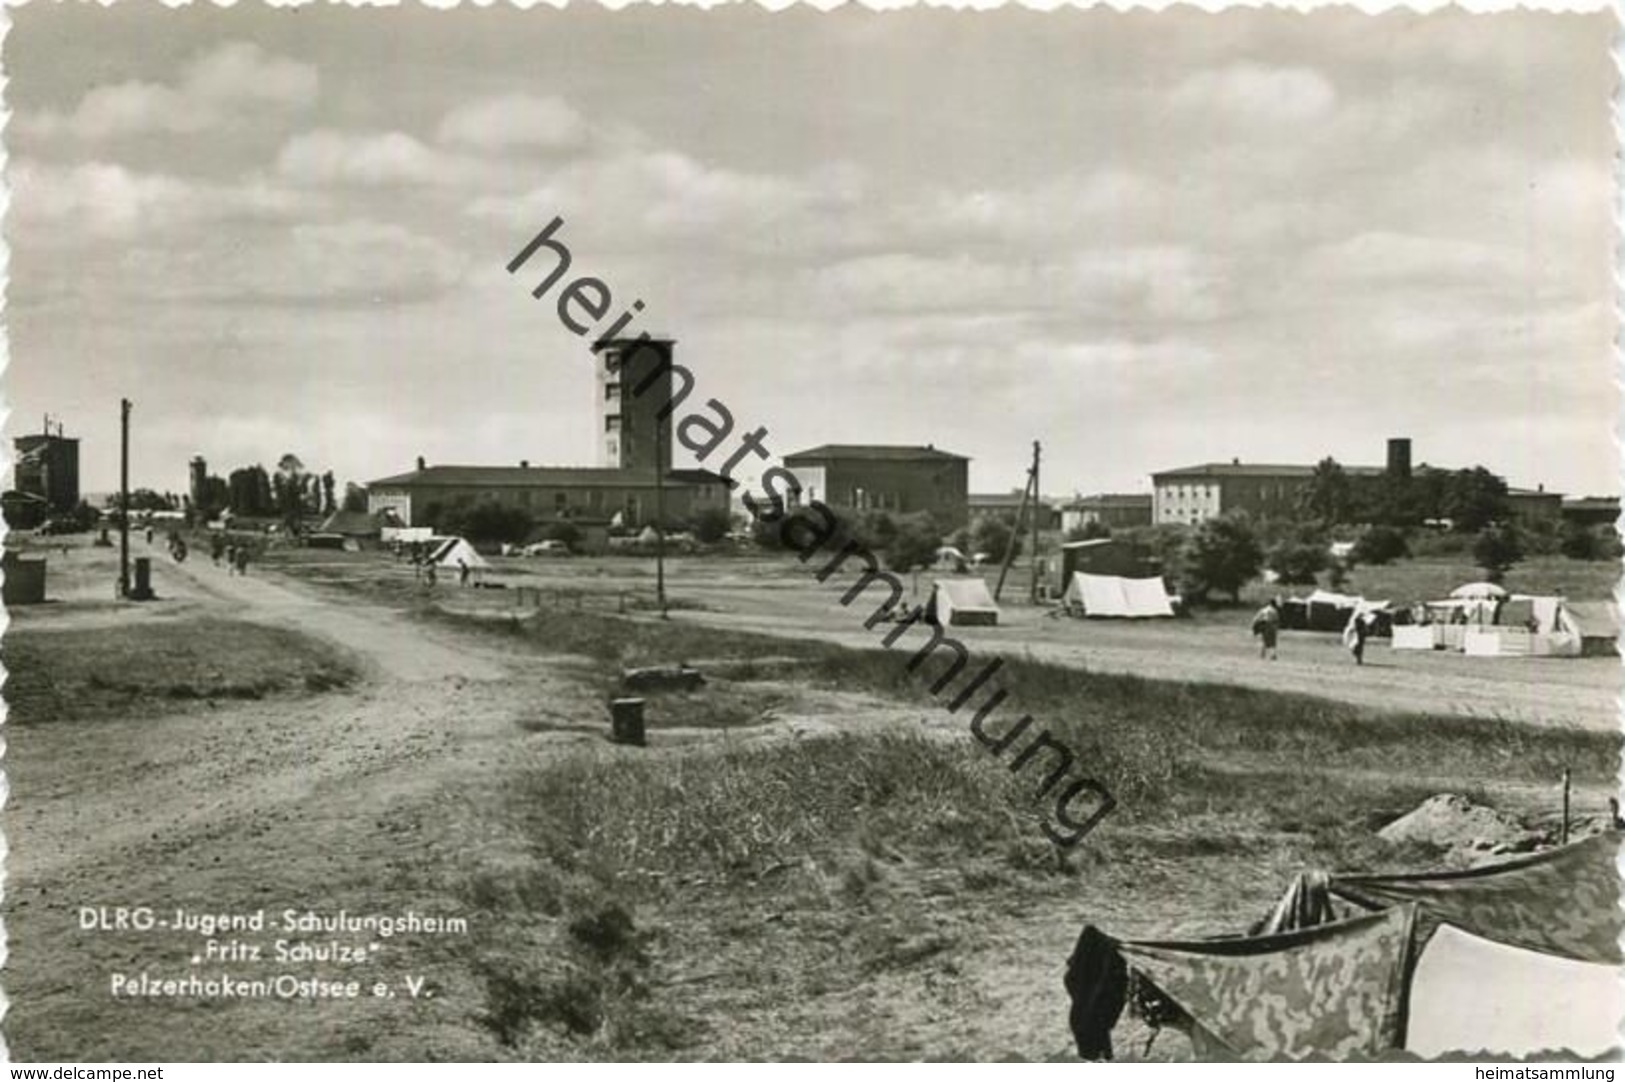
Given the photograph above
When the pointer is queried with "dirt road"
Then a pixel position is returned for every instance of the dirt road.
(1546, 691)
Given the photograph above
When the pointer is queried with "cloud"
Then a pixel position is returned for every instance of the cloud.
(350, 263)
(326, 156)
(214, 90)
(514, 121)
(1256, 94)
(103, 200)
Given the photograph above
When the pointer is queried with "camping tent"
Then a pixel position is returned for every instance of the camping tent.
(1470, 994)
(453, 553)
(1114, 595)
(1471, 954)
(961, 602)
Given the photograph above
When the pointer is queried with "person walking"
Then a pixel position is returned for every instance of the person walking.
(463, 571)
(1359, 632)
(1267, 626)
(242, 561)
(231, 559)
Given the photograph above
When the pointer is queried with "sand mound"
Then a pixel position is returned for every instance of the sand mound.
(1453, 822)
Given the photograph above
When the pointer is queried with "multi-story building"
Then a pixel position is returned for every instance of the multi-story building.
(1009, 504)
(48, 468)
(548, 493)
(634, 384)
(881, 477)
(1110, 509)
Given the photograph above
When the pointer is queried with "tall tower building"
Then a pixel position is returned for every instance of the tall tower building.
(197, 474)
(634, 383)
(47, 467)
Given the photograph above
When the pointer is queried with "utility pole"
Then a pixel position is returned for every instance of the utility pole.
(1030, 493)
(1037, 503)
(661, 426)
(124, 499)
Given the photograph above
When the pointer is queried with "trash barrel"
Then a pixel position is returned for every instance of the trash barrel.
(626, 721)
(141, 589)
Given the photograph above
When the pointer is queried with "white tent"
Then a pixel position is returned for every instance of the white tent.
(1472, 995)
(963, 602)
(454, 552)
(1113, 595)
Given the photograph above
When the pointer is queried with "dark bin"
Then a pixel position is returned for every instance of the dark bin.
(626, 721)
(141, 588)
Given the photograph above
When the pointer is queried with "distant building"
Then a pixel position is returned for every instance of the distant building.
(1534, 502)
(1009, 503)
(1591, 510)
(1194, 494)
(634, 383)
(880, 477)
(547, 493)
(1112, 510)
(48, 468)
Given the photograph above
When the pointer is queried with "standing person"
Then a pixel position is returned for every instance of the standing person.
(1267, 626)
(231, 559)
(217, 548)
(463, 572)
(1360, 630)
(242, 560)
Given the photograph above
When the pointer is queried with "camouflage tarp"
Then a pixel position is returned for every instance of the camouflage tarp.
(1335, 991)
(1563, 901)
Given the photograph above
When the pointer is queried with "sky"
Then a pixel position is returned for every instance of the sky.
(1145, 240)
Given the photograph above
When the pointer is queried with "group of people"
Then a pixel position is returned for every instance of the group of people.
(1266, 628)
(235, 554)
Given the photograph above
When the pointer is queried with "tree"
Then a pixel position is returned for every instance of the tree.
(915, 544)
(1497, 550)
(1297, 562)
(1091, 530)
(564, 531)
(355, 497)
(1380, 545)
(490, 522)
(712, 524)
(992, 533)
(1328, 497)
(1223, 555)
(1474, 498)
(289, 490)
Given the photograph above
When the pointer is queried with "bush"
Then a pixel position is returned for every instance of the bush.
(1590, 542)
(991, 534)
(1380, 545)
(1223, 555)
(1297, 562)
(915, 544)
(1497, 550)
(489, 522)
(711, 525)
(567, 532)
(1089, 531)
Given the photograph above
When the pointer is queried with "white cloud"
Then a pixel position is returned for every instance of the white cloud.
(325, 156)
(214, 90)
(514, 121)
(1257, 94)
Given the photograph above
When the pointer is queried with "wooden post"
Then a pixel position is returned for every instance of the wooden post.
(1033, 589)
(1015, 532)
(1566, 780)
(124, 499)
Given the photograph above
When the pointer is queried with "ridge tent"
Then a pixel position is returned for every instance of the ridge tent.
(453, 552)
(1514, 957)
(961, 602)
(1114, 595)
